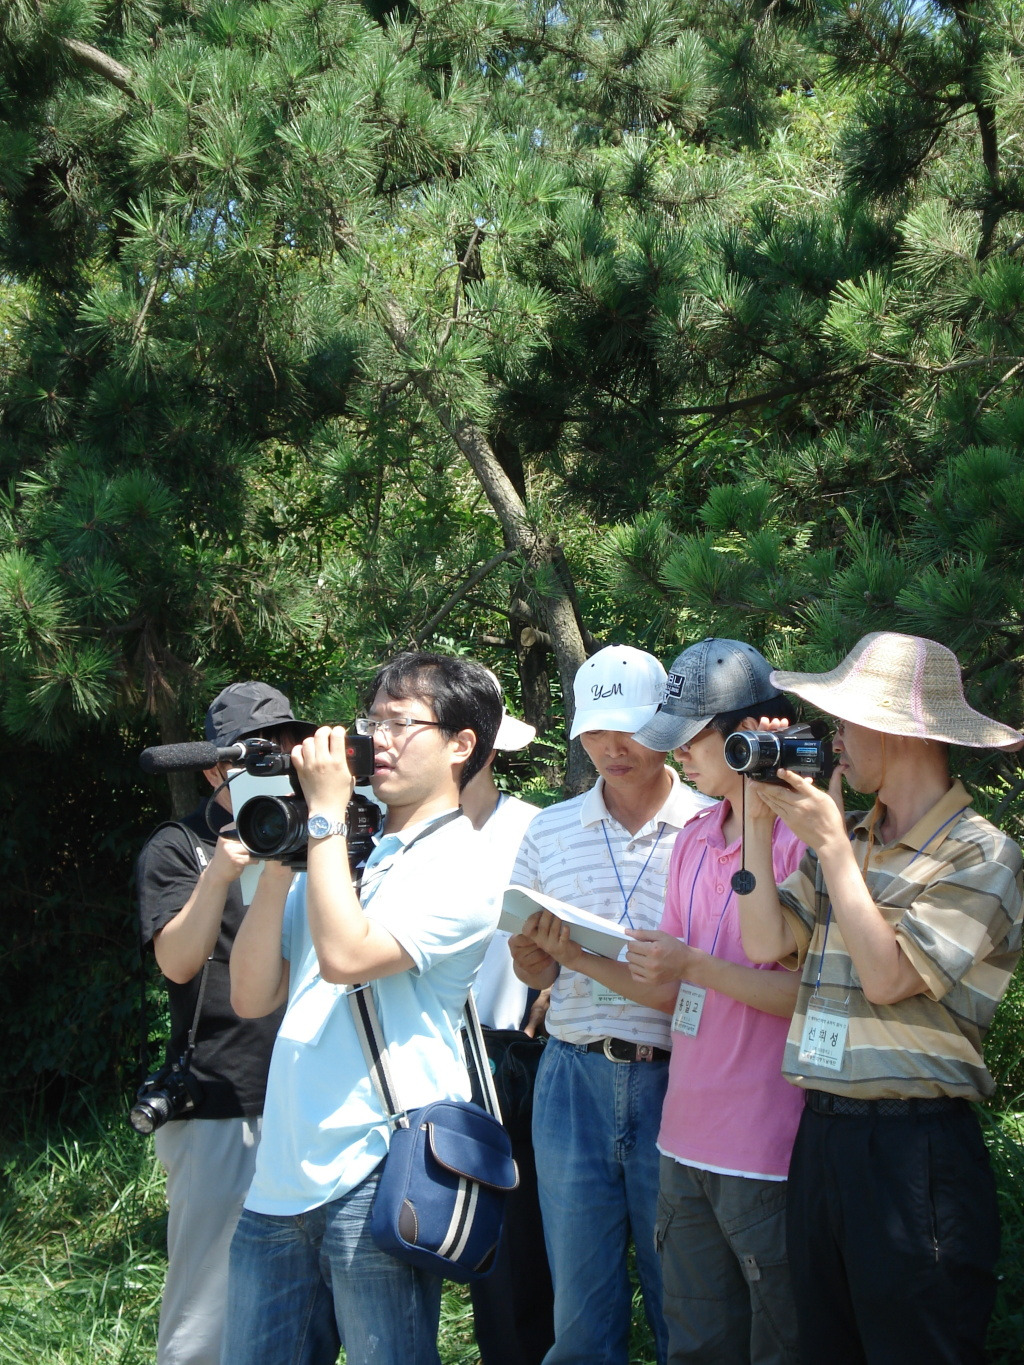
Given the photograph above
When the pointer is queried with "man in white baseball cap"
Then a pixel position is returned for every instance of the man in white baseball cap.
(602, 1078)
(906, 923)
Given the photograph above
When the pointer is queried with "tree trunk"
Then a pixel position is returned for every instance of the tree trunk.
(184, 787)
(538, 550)
(533, 664)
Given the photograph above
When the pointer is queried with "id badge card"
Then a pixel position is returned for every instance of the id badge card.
(823, 1041)
(689, 1008)
(604, 995)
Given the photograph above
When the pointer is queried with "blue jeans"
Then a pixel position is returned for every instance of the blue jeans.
(297, 1283)
(595, 1126)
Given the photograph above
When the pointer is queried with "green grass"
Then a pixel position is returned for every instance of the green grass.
(81, 1247)
(82, 1228)
(82, 1222)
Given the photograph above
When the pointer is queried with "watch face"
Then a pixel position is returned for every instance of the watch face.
(318, 826)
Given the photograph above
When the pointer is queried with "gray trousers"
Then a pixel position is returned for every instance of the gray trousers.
(726, 1286)
(209, 1165)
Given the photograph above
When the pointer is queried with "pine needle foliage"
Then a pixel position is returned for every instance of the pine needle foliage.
(732, 293)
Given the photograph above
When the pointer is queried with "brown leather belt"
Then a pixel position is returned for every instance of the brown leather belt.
(618, 1050)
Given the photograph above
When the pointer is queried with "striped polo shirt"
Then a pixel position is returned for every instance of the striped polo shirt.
(578, 852)
(951, 888)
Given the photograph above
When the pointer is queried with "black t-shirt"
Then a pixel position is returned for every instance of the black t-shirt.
(232, 1055)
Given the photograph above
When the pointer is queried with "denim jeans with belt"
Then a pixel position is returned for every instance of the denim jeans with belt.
(595, 1127)
(298, 1282)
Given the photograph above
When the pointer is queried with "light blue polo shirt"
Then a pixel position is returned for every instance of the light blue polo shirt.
(323, 1128)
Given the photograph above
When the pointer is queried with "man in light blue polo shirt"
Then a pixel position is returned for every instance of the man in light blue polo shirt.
(304, 1268)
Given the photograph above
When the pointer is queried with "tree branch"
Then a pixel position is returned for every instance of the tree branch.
(756, 400)
(104, 66)
(459, 593)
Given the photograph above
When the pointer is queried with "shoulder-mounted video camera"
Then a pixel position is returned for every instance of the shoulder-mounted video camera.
(272, 824)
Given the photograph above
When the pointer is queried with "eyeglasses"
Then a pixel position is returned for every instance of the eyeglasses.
(390, 725)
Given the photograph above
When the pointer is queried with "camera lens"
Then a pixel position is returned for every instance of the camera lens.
(150, 1114)
(272, 826)
(749, 751)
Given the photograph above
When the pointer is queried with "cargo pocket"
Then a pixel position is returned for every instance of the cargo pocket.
(662, 1222)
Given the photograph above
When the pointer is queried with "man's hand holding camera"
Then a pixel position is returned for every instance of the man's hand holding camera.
(229, 861)
(815, 816)
(184, 944)
(323, 772)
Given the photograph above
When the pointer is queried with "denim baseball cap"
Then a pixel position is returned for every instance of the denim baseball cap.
(247, 707)
(705, 681)
(618, 688)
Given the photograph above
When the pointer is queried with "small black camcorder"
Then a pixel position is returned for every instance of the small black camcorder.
(166, 1094)
(804, 749)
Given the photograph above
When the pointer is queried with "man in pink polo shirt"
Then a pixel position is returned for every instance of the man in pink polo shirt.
(729, 1119)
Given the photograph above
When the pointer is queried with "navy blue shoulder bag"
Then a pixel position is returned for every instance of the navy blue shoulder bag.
(441, 1196)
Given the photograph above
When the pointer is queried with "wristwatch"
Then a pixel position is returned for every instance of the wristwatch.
(322, 827)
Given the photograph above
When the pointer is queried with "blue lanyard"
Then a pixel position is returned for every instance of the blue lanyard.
(828, 918)
(689, 913)
(615, 868)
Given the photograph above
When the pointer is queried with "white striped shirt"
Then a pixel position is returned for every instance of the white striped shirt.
(572, 851)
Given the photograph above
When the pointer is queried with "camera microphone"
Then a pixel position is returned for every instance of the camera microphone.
(183, 758)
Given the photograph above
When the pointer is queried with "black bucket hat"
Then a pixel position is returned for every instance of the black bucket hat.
(246, 708)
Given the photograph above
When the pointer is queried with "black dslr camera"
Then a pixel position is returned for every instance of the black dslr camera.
(805, 749)
(274, 826)
(167, 1094)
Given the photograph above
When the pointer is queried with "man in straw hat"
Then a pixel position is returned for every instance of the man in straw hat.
(906, 922)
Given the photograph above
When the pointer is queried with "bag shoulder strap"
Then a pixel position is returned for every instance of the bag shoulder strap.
(200, 852)
(375, 1050)
(374, 1044)
(476, 1048)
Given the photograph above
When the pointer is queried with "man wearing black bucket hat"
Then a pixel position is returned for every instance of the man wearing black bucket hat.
(906, 923)
(190, 908)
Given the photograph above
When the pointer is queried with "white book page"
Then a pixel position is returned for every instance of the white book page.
(590, 931)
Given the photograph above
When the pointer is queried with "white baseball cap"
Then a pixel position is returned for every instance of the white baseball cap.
(512, 734)
(620, 688)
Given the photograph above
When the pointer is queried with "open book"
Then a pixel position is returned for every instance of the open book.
(590, 931)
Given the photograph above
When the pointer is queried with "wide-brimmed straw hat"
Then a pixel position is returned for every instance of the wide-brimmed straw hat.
(900, 685)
